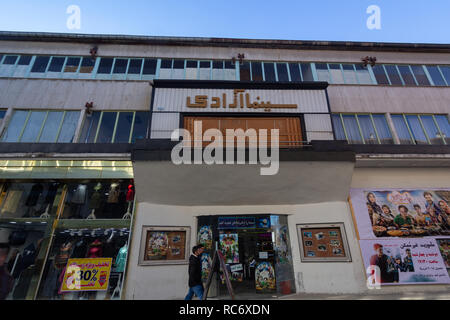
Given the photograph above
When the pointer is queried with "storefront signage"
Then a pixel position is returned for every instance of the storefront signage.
(87, 275)
(240, 100)
(237, 223)
(405, 261)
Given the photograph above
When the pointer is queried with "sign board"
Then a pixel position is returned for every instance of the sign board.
(237, 223)
(87, 275)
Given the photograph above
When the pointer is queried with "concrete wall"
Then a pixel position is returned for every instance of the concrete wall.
(170, 282)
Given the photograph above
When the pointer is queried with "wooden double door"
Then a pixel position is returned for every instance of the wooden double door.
(290, 132)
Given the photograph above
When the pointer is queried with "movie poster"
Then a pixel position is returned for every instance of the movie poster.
(406, 261)
(205, 237)
(229, 247)
(394, 213)
(265, 276)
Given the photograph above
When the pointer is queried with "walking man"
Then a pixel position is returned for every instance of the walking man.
(195, 273)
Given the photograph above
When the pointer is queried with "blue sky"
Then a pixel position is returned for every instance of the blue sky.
(417, 21)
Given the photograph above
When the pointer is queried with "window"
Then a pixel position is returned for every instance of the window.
(416, 129)
(421, 77)
(166, 69)
(87, 65)
(336, 73)
(257, 74)
(205, 70)
(282, 72)
(72, 65)
(178, 69)
(362, 128)
(446, 73)
(56, 64)
(217, 72)
(42, 126)
(230, 71)
(422, 129)
(380, 74)
(10, 59)
(149, 67)
(24, 60)
(407, 75)
(40, 64)
(363, 75)
(244, 71)
(436, 76)
(307, 74)
(135, 66)
(322, 72)
(349, 74)
(402, 129)
(105, 66)
(191, 70)
(393, 74)
(114, 127)
(444, 126)
(120, 66)
(294, 70)
(269, 72)
(432, 131)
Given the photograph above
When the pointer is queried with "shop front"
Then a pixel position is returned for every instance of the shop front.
(54, 213)
(256, 251)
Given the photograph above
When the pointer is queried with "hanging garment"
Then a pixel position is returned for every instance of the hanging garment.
(95, 250)
(113, 196)
(33, 197)
(79, 250)
(79, 196)
(130, 193)
(51, 193)
(64, 254)
(25, 260)
(96, 200)
(12, 201)
(121, 259)
(18, 237)
(21, 289)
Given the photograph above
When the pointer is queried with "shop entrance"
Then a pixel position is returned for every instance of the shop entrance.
(256, 251)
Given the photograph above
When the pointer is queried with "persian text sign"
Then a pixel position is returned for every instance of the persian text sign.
(237, 223)
(405, 261)
(87, 275)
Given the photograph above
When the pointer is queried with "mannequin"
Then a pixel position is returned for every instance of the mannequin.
(120, 268)
(113, 196)
(33, 199)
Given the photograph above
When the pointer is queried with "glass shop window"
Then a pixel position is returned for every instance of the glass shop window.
(56, 64)
(40, 64)
(407, 75)
(282, 72)
(105, 66)
(230, 71)
(257, 74)
(135, 66)
(30, 200)
(72, 65)
(87, 65)
(22, 247)
(149, 67)
(244, 71)
(294, 70)
(191, 70)
(86, 243)
(269, 72)
(99, 200)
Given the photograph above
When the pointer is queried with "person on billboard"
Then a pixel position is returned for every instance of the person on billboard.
(376, 209)
(431, 207)
(195, 273)
(381, 260)
(407, 261)
(403, 218)
(445, 209)
(421, 219)
(387, 218)
(399, 267)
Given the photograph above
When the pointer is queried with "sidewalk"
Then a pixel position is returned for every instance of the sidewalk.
(378, 296)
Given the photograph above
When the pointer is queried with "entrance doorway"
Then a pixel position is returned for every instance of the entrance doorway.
(257, 254)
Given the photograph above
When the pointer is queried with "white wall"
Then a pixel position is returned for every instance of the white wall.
(170, 282)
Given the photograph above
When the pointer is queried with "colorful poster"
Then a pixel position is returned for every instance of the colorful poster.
(229, 247)
(205, 237)
(206, 265)
(157, 245)
(405, 261)
(87, 275)
(394, 213)
(265, 276)
(444, 248)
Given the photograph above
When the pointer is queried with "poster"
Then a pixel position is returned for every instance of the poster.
(322, 242)
(205, 237)
(265, 276)
(444, 248)
(176, 250)
(394, 213)
(87, 275)
(405, 261)
(206, 265)
(229, 247)
(164, 245)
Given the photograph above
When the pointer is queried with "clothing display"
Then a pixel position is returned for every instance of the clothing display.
(96, 200)
(51, 193)
(95, 249)
(25, 260)
(34, 195)
(79, 250)
(18, 237)
(121, 259)
(79, 196)
(130, 193)
(51, 282)
(21, 289)
(113, 196)
(64, 254)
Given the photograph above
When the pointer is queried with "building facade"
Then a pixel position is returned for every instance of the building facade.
(86, 164)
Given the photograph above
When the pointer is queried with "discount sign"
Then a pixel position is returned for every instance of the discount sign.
(87, 275)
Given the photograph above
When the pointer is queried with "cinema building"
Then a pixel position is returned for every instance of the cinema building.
(87, 170)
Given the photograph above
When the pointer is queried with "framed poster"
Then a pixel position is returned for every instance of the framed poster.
(323, 243)
(164, 245)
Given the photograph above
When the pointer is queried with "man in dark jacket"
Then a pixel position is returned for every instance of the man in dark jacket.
(195, 273)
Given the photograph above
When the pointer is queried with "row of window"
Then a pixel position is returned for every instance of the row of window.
(374, 129)
(148, 69)
(60, 127)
